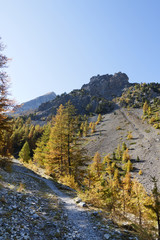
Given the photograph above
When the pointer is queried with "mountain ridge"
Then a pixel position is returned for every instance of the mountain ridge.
(33, 104)
(94, 97)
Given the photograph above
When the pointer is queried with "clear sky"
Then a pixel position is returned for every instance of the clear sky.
(58, 45)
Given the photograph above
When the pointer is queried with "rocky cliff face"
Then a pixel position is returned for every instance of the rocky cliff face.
(107, 86)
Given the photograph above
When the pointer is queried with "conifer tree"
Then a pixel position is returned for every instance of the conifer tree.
(93, 128)
(155, 205)
(96, 166)
(85, 129)
(124, 146)
(90, 125)
(125, 156)
(126, 185)
(71, 128)
(63, 153)
(145, 108)
(41, 149)
(99, 119)
(55, 151)
(24, 154)
(129, 135)
(128, 166)
(118, 153)
(138, 199)
(5, 103)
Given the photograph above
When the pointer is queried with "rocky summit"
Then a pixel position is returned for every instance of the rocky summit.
(107, 86)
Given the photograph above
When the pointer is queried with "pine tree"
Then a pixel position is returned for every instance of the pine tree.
(24, 154)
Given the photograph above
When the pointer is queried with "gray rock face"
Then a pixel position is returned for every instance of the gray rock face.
(107, 86)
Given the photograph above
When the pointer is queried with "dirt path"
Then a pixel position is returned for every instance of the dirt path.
(77, 219)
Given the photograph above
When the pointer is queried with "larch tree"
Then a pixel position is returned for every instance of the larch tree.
(5, 103)
(145, 108)
(154, 206)
(55, 155)
(41, 147)
(24, 154)
(96, 166)
(64, 155)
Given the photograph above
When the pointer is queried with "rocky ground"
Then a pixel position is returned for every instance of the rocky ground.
(33, 208)
(145, 143)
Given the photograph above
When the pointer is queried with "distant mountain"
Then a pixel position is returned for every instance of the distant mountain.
(32, 105)
(94, 97)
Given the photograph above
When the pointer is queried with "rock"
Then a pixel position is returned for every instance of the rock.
(107, 236)
(78, 200)
(82, 204)
(35, 216)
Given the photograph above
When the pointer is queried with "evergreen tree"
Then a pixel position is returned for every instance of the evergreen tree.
(24, 154)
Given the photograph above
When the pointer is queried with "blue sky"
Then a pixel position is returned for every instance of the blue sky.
(58, 45)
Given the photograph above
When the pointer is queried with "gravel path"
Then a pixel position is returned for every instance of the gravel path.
(77, 223)
(77, 219)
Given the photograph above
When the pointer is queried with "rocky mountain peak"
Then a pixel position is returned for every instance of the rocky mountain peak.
(107, 86)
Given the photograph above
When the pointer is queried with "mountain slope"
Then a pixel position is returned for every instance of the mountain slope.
(33, 104)
(145, 143)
